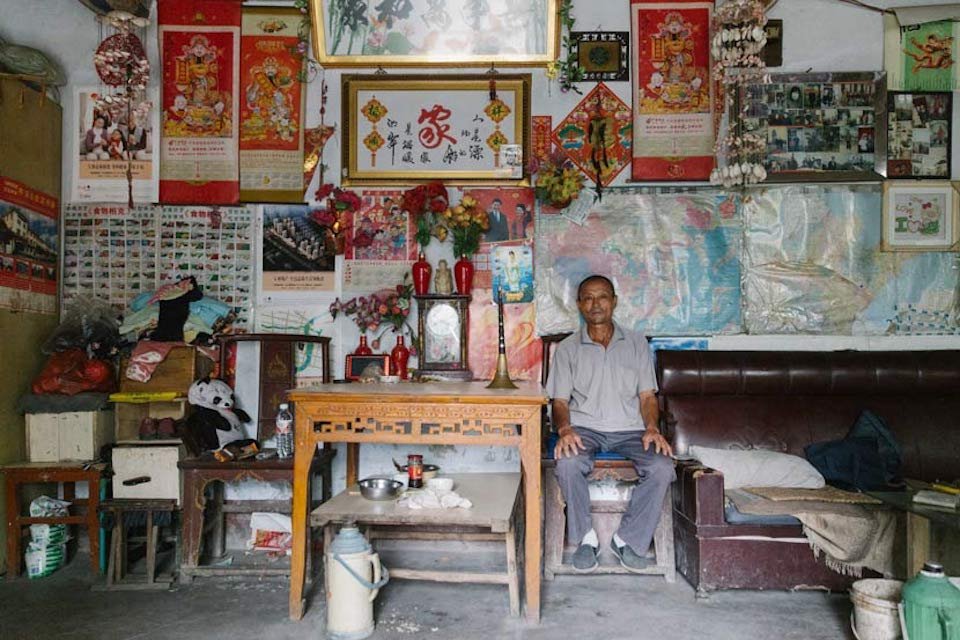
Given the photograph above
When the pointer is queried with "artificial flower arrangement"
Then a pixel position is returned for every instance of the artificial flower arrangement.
(559, 181)
(338, 214)
(466, 222)
(386, 307)
(425, 203)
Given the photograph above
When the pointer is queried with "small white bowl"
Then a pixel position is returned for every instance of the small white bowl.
(440, 484)
(390, 379)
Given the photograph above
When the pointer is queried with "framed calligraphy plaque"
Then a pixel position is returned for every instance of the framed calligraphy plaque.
(415, 33)
(459, 128)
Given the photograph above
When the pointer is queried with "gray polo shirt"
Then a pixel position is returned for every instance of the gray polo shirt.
(602, 386)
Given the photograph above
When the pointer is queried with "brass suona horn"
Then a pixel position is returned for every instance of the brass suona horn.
(501, 379)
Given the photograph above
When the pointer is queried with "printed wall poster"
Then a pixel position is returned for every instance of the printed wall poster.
(107, 142)
(382, 244)
(28, 248)
(298, 253)
(920, 57)
(523, 346)
(200, 53)
(541, 141)
(510, 213)
(512, 274)
(271, 110)
(673, 96)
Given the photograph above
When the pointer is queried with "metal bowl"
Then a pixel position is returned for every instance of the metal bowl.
(380, 488)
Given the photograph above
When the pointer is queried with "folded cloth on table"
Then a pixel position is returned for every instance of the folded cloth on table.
(434, 499)
(55, 403)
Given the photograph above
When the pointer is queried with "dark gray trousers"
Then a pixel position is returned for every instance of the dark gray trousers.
(654, 469)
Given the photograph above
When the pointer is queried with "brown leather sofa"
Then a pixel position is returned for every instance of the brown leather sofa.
(783, 401)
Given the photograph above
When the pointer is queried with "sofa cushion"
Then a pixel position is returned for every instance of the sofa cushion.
(759, 468)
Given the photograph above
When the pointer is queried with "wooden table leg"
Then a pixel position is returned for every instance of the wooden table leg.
(918, 543)
(151, 548)
(530, 461)
(193, 506)
(114, 544)
(302, 459)
(353, 462)
(13, 526)
(93, 520)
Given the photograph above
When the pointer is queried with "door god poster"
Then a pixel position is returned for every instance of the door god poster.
(271, 108)
(673, 96)
(199, 52)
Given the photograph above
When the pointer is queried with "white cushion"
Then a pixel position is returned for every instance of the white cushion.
(759, 468)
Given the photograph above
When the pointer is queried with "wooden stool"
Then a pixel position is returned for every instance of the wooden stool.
(69, 473)
(197, 473)
(555, 521)
(117, 577)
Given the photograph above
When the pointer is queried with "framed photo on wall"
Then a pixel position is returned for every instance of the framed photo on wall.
(604, 55)
(819, 126)
(421, 33)
(920, 215)
(919, 134)
(354, 366)
(458, 128)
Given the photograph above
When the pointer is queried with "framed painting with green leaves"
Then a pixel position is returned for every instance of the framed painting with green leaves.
(422, 33)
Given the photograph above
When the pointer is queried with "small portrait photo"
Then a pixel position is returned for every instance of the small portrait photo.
(827, 96)
(794, 96)
(939, 133)
(811, 96)
(865, 140)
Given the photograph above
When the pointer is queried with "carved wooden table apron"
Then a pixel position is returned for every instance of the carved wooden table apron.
(453, 413)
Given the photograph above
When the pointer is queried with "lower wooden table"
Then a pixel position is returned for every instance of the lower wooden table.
(197, 473)
(919, 517)
(494, 497)
(453, 413)
(69, 473)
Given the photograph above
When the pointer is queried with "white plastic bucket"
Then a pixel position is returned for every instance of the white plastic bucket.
(875, 615)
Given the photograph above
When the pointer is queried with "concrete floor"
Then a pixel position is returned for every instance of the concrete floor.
(608, 607)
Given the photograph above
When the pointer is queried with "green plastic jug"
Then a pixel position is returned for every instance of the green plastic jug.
(931, 606)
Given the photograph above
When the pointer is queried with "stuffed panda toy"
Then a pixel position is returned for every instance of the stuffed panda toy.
(214, 422)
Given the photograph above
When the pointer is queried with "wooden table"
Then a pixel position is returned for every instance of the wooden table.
(453, 413)
(919, 517)
(494, 497)
(69, 473)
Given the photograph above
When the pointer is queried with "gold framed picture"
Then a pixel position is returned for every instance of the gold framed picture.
(604, 55)
(423, 33)
(465, 129)
(920, 215)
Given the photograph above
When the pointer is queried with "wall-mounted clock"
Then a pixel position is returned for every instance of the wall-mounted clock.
(442, 322)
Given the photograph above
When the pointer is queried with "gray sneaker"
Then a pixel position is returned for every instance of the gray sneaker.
(630, 559)
(585, 558)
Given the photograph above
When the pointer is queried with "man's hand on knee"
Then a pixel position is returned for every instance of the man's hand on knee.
(569, 444)
(655, 438)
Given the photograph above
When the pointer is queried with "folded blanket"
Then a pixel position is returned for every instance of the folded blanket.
(850, 536)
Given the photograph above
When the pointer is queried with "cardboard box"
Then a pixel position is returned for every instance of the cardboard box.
(177, 372)
(74, 435)
(130, 415)
(149, 469)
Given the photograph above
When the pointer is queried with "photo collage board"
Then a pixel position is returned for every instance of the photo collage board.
(832, 124)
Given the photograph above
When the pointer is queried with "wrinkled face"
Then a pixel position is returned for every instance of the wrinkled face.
(596, 303)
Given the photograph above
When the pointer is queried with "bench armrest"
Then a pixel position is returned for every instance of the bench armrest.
(698, 493)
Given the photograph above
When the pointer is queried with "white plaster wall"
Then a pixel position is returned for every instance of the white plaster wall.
(819, 35)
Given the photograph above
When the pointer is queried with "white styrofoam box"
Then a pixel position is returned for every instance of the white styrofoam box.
(156, 463)
(74, 435)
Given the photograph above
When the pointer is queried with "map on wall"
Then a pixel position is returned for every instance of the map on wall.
(674, 258)
(813, 264)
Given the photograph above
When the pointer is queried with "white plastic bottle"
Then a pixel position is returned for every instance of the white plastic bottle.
(284, 431)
